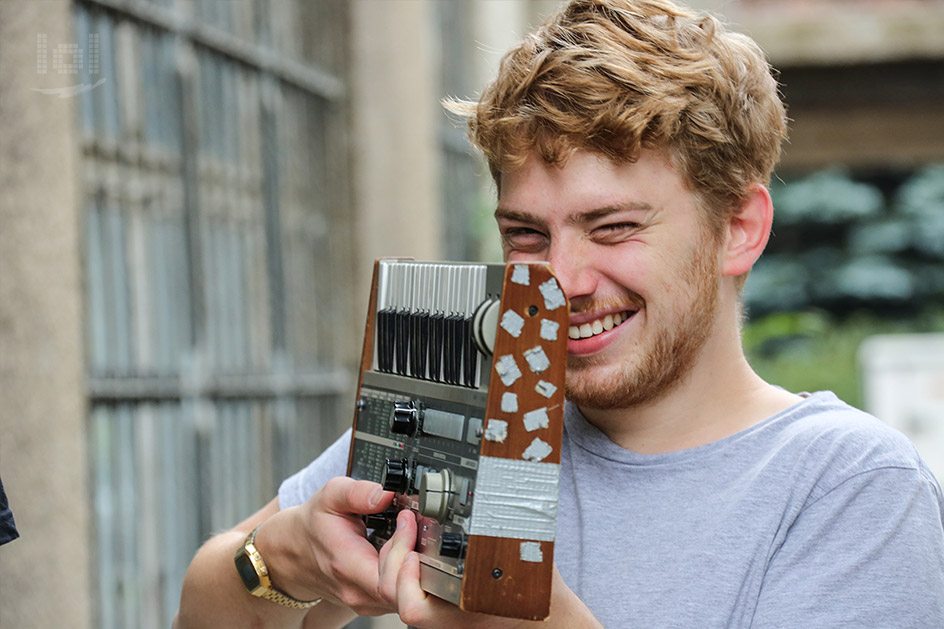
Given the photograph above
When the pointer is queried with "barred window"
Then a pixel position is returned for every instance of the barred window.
(212, 155)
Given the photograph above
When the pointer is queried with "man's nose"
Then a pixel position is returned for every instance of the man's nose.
(574, 270)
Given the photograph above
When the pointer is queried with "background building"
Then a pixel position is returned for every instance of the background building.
(192, 193)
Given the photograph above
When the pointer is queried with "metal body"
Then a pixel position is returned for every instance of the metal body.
(435, 407)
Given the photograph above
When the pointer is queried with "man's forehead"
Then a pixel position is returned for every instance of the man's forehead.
(589, 182)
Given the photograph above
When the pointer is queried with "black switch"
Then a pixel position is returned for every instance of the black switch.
(384, 523)
(452, 545)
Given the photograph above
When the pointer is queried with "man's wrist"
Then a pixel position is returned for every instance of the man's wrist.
(262, 572)
(283, 539)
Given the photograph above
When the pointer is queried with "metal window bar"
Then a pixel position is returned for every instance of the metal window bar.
(210, 162)
(458, 185)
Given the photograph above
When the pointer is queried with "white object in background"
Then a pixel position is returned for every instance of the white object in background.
(903, 384)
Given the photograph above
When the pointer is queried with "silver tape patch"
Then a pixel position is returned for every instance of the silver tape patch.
(549, 329)
(507, 369)
(553, 295)
(545, 388)
(537, 359)
(509, 403)
(512, 323)
(515, 499)
(537, 451)
(521, 274)
(531, 551)
(536, 419)
(496, 430)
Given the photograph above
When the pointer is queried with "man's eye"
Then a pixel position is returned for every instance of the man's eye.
(615, 231)
(523, 238)
(619, 226)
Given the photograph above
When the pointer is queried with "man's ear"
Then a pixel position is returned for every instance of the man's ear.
(747, 232)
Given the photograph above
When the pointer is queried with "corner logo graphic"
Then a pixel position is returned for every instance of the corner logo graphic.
(69, 59)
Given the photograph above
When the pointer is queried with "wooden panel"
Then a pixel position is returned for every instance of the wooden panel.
(498, 580)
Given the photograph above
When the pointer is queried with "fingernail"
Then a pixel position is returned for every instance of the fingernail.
(375, 497)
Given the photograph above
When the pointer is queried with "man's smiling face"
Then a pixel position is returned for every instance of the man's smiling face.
(631, 250)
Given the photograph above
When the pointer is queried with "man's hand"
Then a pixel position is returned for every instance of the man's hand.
(330, 555)
(399, 568)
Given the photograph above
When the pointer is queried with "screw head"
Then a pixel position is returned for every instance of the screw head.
(496, 573)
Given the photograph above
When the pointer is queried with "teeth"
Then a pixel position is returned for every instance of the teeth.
(586, 330)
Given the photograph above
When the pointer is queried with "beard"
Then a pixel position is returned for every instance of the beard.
(662, 360)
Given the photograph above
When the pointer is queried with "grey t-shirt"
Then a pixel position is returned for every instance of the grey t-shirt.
(820, 516)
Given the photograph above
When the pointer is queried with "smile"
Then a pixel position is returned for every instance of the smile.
(598, 326)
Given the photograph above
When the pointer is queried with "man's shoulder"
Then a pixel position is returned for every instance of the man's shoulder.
(836, 441)
(297, 488)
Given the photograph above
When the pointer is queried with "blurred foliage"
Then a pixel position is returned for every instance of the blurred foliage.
(814, 351)
(842, 246)
(847, 259)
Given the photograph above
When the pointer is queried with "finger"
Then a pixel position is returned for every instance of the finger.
(411, 599)
(394, 552)
(419, 609)
(345, 495)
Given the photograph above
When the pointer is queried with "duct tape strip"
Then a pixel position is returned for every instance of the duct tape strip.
(515, 499)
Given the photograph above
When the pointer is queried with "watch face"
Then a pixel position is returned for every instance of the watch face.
(247, 572)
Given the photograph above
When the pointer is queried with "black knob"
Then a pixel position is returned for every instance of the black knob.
(396, 475)
(405, 418)
(452, 545)
(383, 523)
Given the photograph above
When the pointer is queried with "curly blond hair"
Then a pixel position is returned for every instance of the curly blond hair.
(617, 76)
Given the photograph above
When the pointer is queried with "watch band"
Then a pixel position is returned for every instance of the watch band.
(263, 587)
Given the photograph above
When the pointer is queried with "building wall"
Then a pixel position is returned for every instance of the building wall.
(394, 111)
(393, 157)
(46, 574)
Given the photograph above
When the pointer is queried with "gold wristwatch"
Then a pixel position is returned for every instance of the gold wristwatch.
(255, 575)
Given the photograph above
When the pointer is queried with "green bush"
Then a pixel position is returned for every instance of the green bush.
(812, 350)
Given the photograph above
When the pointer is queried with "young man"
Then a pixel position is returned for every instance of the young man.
(631, 142)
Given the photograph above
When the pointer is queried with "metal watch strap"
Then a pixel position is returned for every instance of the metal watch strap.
(267, 591)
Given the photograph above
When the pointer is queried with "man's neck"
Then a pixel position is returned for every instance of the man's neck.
(720, 396)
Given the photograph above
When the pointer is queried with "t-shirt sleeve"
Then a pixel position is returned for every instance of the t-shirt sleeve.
(868, 553)
(298, 488)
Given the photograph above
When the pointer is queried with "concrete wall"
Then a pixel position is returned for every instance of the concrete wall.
(44, 575)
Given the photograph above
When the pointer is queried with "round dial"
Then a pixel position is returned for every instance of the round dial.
(436, 494)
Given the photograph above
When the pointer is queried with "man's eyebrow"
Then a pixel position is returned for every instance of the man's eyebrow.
(517, 215)
(589, 216)
(577, 218)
